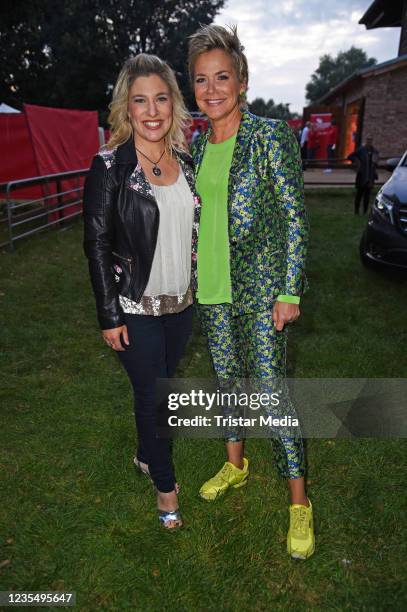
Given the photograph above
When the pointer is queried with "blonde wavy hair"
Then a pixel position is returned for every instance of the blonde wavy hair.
(145, 64)
(211, 37)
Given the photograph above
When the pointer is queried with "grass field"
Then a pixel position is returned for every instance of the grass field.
(75, 516)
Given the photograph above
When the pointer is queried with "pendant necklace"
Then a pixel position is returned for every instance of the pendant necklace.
(156, 169)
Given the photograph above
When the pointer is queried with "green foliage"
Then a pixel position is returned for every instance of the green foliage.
(270, 109)
(69, 54)
(332, 70)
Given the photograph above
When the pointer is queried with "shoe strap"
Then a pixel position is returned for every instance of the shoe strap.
(169, 515)
(142, 470)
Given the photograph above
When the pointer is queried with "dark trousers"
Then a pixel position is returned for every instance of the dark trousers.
(156, 347)
(362, 192)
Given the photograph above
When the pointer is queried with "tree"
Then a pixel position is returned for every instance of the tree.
(331, 71)
(69, 54)
(270, 109)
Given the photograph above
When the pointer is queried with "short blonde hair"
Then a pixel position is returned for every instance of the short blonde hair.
(145, 64)
(211, 37)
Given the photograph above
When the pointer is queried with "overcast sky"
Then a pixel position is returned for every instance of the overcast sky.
(284, 39)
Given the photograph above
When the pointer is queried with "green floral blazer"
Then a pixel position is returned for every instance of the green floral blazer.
(268, 225)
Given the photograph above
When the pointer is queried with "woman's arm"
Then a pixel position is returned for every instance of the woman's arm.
(98, 207)
(285, 170)
(287, 178)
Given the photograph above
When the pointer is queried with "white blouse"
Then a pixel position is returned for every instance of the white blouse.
(168, 288)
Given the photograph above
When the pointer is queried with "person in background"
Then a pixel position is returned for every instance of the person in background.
(304, 144)
(313, 142)
(332, 140)
(365, 159)
(297, 133)
(140, 219)
(196, 133)
(251, 254)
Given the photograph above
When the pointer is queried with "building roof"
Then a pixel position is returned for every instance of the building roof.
(383, 14)
(363, 73)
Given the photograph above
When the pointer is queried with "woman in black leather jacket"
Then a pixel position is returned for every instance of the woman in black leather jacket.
(140, 215)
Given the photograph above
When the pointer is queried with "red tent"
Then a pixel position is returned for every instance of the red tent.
(18, 160)
(45, 140)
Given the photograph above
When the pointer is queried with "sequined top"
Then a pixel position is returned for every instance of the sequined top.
(168, 289)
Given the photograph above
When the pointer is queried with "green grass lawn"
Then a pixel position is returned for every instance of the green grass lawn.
(75, 516)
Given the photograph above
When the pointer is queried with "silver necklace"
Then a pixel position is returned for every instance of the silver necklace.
(156, 169)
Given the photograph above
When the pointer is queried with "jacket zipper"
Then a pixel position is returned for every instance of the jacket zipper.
(129, 260)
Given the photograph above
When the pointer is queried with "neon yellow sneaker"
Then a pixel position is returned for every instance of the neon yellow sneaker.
(300, 537)
(228, 476)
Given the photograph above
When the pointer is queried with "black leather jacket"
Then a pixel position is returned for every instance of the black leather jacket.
(121, 220)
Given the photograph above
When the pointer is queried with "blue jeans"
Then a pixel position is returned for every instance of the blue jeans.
(156, 347)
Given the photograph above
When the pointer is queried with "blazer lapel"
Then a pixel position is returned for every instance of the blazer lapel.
(242, 142)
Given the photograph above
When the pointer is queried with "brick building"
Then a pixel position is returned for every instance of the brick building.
(373, 100)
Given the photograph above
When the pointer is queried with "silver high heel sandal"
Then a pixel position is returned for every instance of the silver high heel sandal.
(167, 516)
(147, 473)
(142, 470)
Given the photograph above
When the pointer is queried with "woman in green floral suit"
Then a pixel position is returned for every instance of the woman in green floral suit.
(250, 253)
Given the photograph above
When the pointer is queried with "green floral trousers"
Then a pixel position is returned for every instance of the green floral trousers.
(249, 347)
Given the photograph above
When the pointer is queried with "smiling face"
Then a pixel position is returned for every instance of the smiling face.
(216, 84)
(150, 109)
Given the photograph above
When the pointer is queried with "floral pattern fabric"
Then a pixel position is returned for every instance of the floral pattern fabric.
(249, 347)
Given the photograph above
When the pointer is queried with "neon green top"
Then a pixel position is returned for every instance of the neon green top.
(214, 286)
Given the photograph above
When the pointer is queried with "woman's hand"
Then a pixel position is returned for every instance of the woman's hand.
(284, 313)
(112, 337)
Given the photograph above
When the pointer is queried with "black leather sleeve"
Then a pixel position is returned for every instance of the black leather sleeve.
(98, 212)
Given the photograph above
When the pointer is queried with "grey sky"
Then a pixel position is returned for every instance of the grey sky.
(284, 39)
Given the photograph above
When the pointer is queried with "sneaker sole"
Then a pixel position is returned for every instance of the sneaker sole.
(295, 555)
(240, 484)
